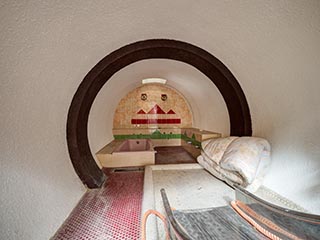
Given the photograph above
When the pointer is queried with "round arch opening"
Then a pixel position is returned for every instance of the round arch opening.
(77, 135)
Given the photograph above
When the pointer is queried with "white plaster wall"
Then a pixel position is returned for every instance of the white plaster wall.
(38, 186)
(272, 49)
(47, 47)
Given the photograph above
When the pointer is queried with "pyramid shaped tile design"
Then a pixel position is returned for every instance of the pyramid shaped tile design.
(156, 110)
(171, 112)
(141, 112)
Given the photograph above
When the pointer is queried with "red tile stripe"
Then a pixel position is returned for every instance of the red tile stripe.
(156, 121)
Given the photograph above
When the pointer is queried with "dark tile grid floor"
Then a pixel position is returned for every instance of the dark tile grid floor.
(173, 155)
(112, 212)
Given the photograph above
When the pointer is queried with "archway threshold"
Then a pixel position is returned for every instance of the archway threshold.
(77, 123)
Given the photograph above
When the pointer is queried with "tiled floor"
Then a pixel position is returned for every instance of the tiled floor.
(112, 212)
(173, 155)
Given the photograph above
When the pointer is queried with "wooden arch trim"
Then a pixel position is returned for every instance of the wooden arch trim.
(77, 135)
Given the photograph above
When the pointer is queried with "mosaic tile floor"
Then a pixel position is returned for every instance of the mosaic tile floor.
(112, 212)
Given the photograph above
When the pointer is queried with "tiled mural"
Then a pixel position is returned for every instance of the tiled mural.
(153, 106)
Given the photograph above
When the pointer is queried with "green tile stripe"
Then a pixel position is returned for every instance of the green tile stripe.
(159, 135)
(192, 140)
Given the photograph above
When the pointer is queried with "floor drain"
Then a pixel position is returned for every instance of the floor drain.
(133, 169)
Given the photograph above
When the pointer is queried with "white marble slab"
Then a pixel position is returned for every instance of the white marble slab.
(188, 186)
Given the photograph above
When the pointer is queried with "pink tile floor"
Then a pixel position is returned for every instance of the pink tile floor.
(112, 212)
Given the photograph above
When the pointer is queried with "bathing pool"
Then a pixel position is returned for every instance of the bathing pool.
(127, 153)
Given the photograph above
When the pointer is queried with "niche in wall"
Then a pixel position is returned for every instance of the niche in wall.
(153, 106)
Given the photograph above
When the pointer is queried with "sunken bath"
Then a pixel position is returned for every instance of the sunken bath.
(127, 153)
(135, 145)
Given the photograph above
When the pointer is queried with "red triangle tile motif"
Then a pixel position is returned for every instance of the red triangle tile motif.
(141, 112)
(171, 112)
(156, 110)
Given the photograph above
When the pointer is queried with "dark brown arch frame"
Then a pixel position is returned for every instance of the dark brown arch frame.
(77, 135)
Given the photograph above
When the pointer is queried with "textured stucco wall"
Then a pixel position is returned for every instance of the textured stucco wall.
(272, 49)
(38, 186)
(47, 47)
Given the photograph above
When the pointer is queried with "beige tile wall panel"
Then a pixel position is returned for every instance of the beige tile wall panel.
(130, 104)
